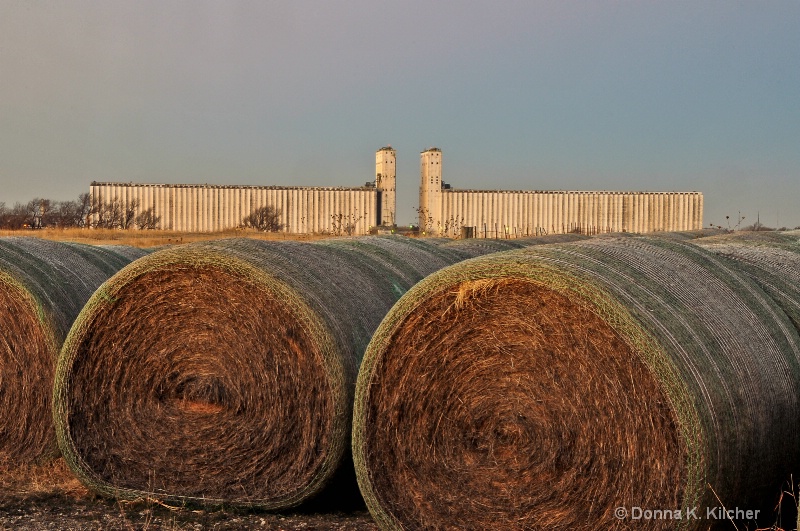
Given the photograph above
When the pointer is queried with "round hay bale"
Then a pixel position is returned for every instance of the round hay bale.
(771, 259)
(546, 387)
(43, 285)
(472, 247)
(223, 372)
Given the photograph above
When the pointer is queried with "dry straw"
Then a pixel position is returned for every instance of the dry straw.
(43, 285)
(223, 372)
(544, 388)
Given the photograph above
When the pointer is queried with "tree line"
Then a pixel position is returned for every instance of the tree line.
(85, 212)
(91, 212)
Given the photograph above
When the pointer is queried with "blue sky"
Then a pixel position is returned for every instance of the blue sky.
(549, 95)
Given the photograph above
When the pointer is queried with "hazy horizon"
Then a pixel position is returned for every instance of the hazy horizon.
(544, 95)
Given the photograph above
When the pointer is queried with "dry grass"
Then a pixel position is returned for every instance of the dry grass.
(49, 497)
(152, 238)
(51, 478)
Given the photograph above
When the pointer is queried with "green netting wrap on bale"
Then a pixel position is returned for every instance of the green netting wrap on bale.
(43, 286)
(223, 372)
(472, 247)
(546, 387)
(771, 259)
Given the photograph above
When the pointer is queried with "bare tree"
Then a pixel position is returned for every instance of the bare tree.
(39, 213)
(108, 214)
(147, 219)
(84, 209)
(129, 214)
(66, 214)
(265, 218)
(344, 224)
(14, 218)
(425, 219)
(451, 226)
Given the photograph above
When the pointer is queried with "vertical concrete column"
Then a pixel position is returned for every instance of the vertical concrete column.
(313, 210)
(524, 213)
(575, 210)
(467, 214)
(190, 209)
(627, 200)
(222, 212)
(327, 204)
(202, 213)
(652, 211)
(297, 210)
(213, 196)
(222, 207)
(474, 202)
(198, 191)
(213, 193)
(198, 207)
(640, 212)
(233, 197)
(207, 210)
(658, 222)
(645, 212)
(687, 211)
(151, 200)
(602, 212)
(504, 211)
(671, 210)
(590, 212)
(222, 198)
(586, 218)
(162, 206)
(351, 207)
(154, 202)
(700, 212)
(180, 204)
(310, 201)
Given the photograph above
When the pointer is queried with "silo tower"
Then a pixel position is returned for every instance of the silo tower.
(430, 189)
(385, 177)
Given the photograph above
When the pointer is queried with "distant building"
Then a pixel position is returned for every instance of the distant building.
(211, 208)
(442, 209)
(502, 213)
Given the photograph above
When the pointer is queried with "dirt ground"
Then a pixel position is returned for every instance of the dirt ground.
(49, 497)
